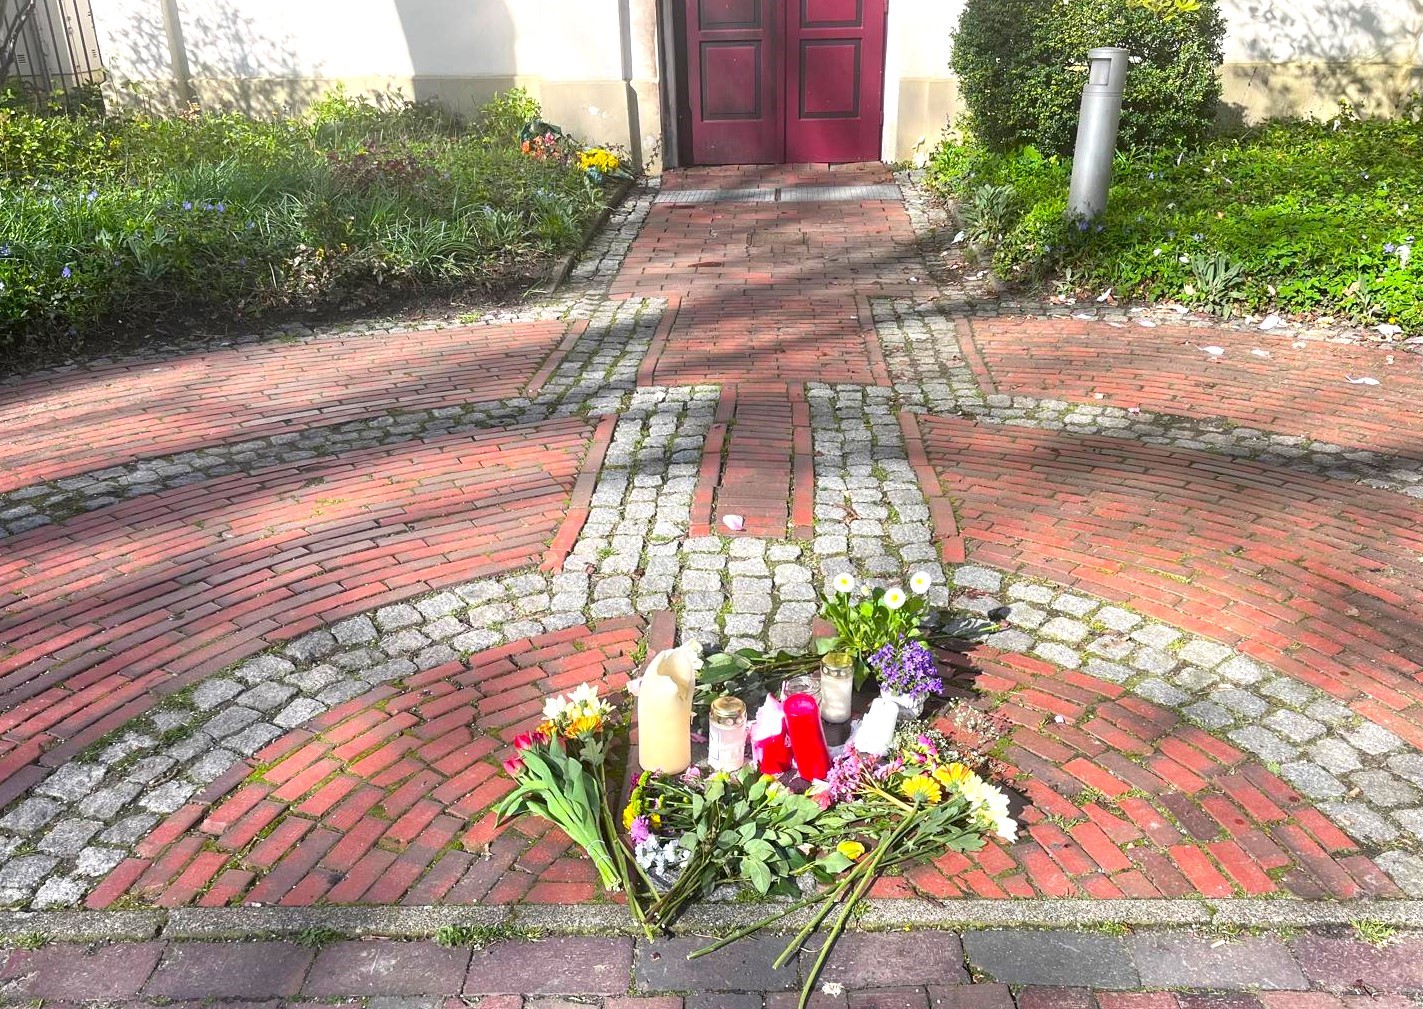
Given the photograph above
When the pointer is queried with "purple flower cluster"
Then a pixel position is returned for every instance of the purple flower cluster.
(908, 668)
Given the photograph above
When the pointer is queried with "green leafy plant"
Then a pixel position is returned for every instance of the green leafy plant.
(314, 937)
(867, 621)
(1317, 218)
(480, 936)
(1021, 68)
(1217, 280)
(988, 212)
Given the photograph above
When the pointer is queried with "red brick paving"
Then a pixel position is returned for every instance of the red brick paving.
(113, 607)
(1316, 578)
(1124, 799)
(761, 466)
(1296, 391)
(386, 799)
(61, 423)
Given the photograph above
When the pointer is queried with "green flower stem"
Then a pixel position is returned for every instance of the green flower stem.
(743, 932)
(809, 928)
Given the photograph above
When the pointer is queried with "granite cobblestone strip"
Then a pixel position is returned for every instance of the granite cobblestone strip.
(1030, 969)
(591, 378)
(933, 375)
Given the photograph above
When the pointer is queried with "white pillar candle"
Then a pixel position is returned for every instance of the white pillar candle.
(664, 710)
(837, 684)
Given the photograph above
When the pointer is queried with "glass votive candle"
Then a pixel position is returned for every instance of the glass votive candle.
(805, 683)
(726, 738)
(837, 685)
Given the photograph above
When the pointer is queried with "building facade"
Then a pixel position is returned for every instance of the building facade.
(679, 81)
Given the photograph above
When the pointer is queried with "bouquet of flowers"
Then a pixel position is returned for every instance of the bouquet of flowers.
(908, 672)
(866, 620)
(559, 777)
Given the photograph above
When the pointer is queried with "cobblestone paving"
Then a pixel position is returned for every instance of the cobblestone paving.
(1155, 762)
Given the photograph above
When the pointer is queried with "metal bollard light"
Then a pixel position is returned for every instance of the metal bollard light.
(1097, 131)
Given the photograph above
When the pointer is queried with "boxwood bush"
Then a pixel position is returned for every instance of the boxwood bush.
(1309, 217)
(111, 226)
(1022, 66)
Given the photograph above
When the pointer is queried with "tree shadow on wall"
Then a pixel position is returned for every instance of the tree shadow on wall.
(1336, 51)
(461, 53)
(217, 56)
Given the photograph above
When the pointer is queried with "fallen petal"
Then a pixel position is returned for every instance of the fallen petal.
(1389, 329)
(1214, 351)
(1366, 380)
(734, 522)
(1270, 322)
(1148, 323)
(1260, 353)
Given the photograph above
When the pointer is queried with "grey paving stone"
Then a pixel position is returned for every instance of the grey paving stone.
(1334, 755)
(1333, 713)
(1059, 654)
(557, 966)
(1205, 653)
(1075, 605)
(743, 966)
(68, 837)
(1117, 619)
(1161, 692)
(211, 693)
(1200, 962)
(393, 618)
(72, 781)
(1157, 636)
(1209, 715)
(1242, 670)
(1064, 629)
(355, 631)
(267, 696)
(1294, 726)
(978, 578)
(248, 970)
(79, 973)
(30, 815)
(1242, 702)
(1289, 691)
(1112, 646)
(1313, 780)
(1409, 765)
(1360, 822)
(1384, 789)
(1373, 739)
(376, 967)
(1404, 868)
(1153, 660)
(264, 667)
(1263, 743)
(106, 803)
(313, 646)
(1052, 958)
(892, 959)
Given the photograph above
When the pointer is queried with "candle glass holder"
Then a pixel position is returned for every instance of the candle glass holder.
(726, 740)
(837, 687)
(806, 683)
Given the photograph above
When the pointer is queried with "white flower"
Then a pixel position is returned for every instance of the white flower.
(584, 694)
(895, 598)
(990, 804)
(844, 583)
(920, 582)
(555, 707)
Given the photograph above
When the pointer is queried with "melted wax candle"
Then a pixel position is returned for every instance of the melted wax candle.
(768, 739)
(812, 756)
(664, 710)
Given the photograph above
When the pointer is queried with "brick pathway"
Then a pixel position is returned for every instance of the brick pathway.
(276, 610)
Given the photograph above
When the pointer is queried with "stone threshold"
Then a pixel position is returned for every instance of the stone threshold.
(399, 922)
(787, 194)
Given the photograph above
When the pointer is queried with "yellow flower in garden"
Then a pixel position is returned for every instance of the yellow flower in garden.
(921, 786)
(851, 850)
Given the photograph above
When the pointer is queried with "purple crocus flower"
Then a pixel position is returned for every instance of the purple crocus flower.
(66, 273)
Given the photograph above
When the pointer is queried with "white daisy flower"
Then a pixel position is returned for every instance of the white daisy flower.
(844, 584)
(920, 582)
(895, 598)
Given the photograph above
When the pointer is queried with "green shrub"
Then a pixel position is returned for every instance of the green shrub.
(109, 225)
(1305, 217)
(1022, 66)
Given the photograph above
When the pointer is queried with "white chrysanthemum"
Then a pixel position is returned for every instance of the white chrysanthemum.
(554, 708)
(584, 694)
(844, 583)
(895, 598)
(920, 582)
(991, 805)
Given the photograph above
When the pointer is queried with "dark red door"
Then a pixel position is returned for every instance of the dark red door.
(734, 76)
(834, 82)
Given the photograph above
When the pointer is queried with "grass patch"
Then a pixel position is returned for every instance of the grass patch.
(112, 225)
(1309, 217)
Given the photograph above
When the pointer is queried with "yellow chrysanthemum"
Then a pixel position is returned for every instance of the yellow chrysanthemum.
(582, 725)
(954, 776)
(630, 812)
(921, 786)
(851, 850)
(548, 729)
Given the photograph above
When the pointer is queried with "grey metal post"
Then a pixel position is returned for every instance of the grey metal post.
(1097, 131)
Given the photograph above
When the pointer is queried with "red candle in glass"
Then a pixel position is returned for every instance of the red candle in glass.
(775, 755)
(812, 756)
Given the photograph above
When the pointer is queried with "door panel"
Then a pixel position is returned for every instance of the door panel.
(834, 79)
(734, 72)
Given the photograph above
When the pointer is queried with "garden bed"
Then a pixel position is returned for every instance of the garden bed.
(1309, 218)
(118, 231)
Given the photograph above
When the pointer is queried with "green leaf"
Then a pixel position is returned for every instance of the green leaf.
(758, 874)
(834, 863)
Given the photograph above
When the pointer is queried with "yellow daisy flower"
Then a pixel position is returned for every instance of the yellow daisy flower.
(953, 775)
(921, 786)
(851, 850)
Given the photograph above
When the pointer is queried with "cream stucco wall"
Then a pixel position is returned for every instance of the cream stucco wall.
(596, 64)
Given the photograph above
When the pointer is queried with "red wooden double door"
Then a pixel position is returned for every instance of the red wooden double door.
(785, 81)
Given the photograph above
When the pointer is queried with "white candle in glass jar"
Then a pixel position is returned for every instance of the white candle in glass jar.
(726, 738)
(837, 684)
